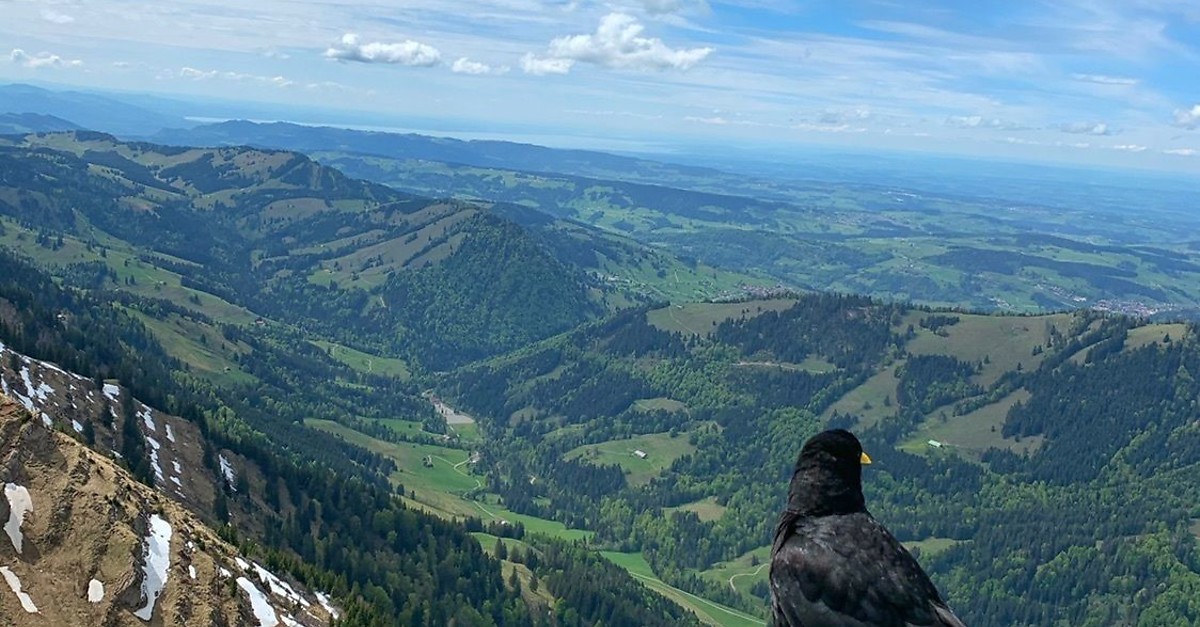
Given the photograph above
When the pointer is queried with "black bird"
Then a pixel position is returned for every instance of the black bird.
(832, 563)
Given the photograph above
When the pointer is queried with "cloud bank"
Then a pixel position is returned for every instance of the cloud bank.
(41, 60)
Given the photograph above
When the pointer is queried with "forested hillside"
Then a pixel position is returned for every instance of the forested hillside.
(316, 507)
(468, 412)
(1044, 466)
(277, 234)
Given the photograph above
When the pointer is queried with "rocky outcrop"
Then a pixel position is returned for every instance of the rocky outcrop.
(85, 544)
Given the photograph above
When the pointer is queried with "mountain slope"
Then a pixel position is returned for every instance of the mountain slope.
(22, 123)
(99, 548)
(277, 234)
(331, 514)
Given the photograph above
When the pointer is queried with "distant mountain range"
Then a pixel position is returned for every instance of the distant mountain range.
(85, 110)
(21, 123)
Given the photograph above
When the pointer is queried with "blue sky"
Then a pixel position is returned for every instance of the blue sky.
(1111, 82)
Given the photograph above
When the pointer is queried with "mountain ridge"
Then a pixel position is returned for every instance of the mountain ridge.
(97, 547)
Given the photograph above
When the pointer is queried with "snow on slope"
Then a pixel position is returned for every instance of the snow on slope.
(15, 585)
(157, 560)
(19, 504)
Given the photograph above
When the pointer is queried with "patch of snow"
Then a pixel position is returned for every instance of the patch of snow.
(54, 367)
(95, 591)
(113, 392)
(154, 446)
(46, 422)
(289, 621)
(19, 504)
(192, 571)
(230, 476)
(242, 564)
(175, 465)
(76, 426)
(157, 561)
(15, 584)
(38, 392)
(279, 587)
(259, 603)
(170, 433)
(175, 480)
(148, 418)
(323, 599)
(225, 574)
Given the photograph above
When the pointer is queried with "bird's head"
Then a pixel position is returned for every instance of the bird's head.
(828, 476)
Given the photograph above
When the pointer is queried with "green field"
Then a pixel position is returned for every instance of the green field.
(654, 404)
(1153, 333)
(365, 362)
(707, 611)
(870, 400)
(660, 448)
(211, 357)
(702, 318)
(706, 509)
(442, 488)
(999, 342)
(742, 572)
(931, 546)
(976, 431)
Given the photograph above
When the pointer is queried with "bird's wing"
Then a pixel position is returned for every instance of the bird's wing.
(849, 571)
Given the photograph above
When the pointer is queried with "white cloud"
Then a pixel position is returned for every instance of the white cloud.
(199, 75)
(204, 75)
(41, 60)
(978, 121)
(1087, 128)
(463, 65)
(826, 128)
(664, 7)
(540, 66)
(408, 52)
(835, 117)
(50, 15)
(618, 43)
(1130, 147)
(1103, 79)
(1188, 118)
(718, 120)
(1182, 152)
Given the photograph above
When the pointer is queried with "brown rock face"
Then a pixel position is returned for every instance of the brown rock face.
(90, 528)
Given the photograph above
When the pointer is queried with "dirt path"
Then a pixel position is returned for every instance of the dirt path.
(753, 574)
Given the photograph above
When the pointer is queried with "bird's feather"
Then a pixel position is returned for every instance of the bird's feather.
(849, 571)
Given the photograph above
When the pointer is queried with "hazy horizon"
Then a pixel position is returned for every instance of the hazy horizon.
(1103, 83)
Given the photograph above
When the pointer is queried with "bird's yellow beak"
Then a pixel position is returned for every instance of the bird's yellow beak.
(865, 459)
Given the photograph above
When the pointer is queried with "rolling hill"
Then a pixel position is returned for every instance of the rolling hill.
(239, 233)
(1010, 450)
(1064, 240)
